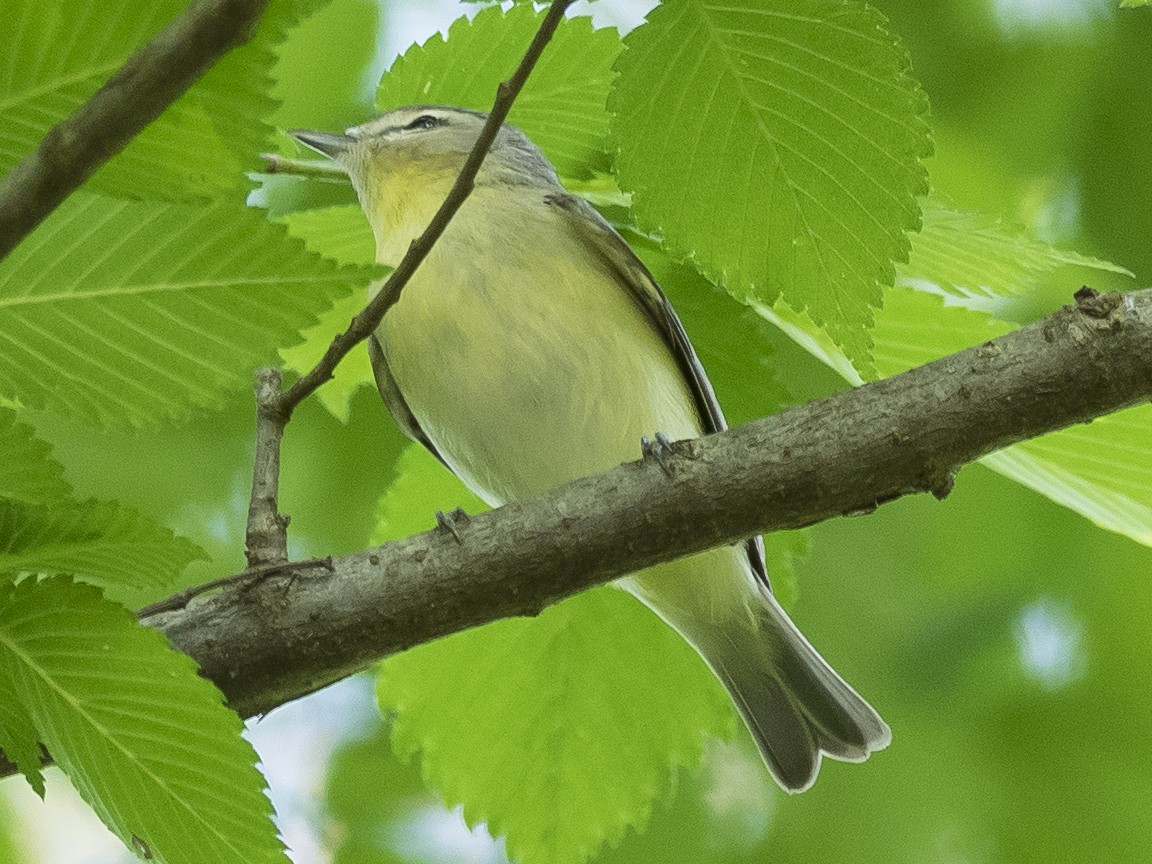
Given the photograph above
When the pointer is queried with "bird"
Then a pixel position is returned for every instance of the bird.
(532, 347)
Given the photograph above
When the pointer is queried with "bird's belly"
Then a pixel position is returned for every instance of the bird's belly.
(523, 383)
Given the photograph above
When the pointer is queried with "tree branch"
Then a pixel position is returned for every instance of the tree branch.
(270, 640)
(268, 637)
(152, 79)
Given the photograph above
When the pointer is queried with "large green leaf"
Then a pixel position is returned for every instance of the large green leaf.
(342, 234)
(776, 145)
(1102, 470)
(146, 741)
(557, 731)
(561, 108)
(129, 311)
(101, 541)
(971, 255)
(27, 474)
(53, 56)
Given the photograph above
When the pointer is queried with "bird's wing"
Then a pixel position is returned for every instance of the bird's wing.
(603, 239)
(394, 401)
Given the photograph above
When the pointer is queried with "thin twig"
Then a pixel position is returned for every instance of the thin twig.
(266, 539)
(154, 77)
(274, 163)
(367, 321)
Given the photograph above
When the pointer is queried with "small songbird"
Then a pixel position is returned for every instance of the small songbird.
(532, 347)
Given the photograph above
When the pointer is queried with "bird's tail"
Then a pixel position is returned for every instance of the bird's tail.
(794, 704)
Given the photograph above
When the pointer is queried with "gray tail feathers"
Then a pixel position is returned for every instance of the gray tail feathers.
(795, 705)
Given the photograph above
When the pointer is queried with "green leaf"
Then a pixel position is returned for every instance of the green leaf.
(914, 328)
(354, 371)
(558, 731)
(27, 474)
(146, 741)
(782, 551)
(806, 113)
(1133, 4)
(54, 56)
(342, 234)
(1098, 470)
(561, 108)
(731, 340)
(1102, 470)
(127, 312)
(971, 255)
(103, 542)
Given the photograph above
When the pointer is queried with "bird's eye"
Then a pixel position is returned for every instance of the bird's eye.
(424, 121)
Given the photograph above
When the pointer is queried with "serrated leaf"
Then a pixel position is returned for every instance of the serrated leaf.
(131, 311)
(915, 327)
(971, 255)
(561, 108)
(1099, 470)
(27, 473)
(778, 147)
(558, 731)
(53, 57)
(104, 542)
(1102, 470)
(18, 737)
(342, 234)
(730, 339)
(146, 741)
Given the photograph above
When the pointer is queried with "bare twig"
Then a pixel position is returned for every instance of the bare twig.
(266, 539)
(271, 538)
(151, 80)
(274, 163)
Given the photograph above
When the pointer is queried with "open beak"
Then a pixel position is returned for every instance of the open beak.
(322, 142)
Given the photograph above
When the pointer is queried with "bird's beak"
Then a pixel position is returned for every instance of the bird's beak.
(323, 142)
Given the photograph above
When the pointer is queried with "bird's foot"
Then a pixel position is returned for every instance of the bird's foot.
(450, 522)
(658, 449)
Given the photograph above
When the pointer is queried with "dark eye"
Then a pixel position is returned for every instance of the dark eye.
(424, 121)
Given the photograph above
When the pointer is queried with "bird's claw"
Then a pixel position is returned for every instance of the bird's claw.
(658, 449)
(449, 521)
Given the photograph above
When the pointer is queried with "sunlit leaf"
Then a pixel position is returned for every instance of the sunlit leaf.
(53, 56)
(342, 234)
(914, 328)
(1102, 470)
(130, 311)
(27, 473)
(778, 147)
(561, 108)
(102, 541)
(971, 255)
(145, 740)
(557, 731)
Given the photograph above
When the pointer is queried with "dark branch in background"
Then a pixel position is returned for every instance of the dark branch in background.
(152, 79)
(270, 637)
(277, 410)
(270, 641)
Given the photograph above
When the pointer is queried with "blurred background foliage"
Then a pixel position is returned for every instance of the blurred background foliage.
(1004, 638)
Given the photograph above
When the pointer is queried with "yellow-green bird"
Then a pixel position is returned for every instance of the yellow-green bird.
(532, 347)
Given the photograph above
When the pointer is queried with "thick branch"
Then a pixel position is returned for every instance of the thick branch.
(273, 640)
(151, 80)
